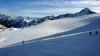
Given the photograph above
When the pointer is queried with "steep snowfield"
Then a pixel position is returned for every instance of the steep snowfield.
(62, 37)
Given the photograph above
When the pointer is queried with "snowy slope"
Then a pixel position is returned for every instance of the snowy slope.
(43, 39)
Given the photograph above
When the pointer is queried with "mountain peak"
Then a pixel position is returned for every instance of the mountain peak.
(85, 10)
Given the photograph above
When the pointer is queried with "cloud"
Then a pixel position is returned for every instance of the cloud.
(48, 10)
(17, 7)
(3, 6)
(96, 9)
(60, 7)
(66, 3)
(59, 10)
(45, 11)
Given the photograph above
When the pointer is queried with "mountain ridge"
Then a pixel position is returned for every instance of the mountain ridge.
(85, 11)
(20, 21)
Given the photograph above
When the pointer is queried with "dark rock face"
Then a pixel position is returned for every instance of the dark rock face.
(5, 21)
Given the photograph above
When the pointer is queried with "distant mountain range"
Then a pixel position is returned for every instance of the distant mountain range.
(20, 21)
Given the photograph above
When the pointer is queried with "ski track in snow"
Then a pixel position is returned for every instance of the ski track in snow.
(58, 37)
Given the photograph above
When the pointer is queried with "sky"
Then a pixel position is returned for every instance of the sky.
(42, 8)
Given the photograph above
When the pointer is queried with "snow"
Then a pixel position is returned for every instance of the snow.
(0, 25)
(2, 39)
(62, 37)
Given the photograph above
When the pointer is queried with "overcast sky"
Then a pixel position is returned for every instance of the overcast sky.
(41, 8)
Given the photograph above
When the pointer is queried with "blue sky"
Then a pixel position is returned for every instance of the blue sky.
(41, 8)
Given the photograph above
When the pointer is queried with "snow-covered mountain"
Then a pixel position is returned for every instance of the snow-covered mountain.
(85, 11)
(10, 21)
(20, 21)
(63, 37)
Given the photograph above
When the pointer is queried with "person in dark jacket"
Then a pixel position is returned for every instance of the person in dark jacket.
(96, 32)
(23, 42)
(90, 32)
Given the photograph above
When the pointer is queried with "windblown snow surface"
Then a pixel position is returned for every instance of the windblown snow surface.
(62, 37)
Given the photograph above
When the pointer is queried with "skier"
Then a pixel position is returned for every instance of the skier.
(55, 36)
(59, 35)
(23, 42)
(96, 32)
(90, 32)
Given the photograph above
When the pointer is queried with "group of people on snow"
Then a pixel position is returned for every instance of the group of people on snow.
(95, 32)
(60, 36)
